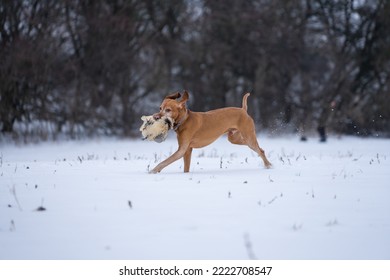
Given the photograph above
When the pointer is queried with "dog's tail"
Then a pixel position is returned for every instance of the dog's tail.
(244, 103)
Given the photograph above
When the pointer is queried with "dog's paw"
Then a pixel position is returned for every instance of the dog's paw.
(153, 171)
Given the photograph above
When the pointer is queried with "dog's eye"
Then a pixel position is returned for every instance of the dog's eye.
(167, 110)
(160, 108)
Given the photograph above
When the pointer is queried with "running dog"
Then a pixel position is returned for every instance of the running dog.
(199, 129)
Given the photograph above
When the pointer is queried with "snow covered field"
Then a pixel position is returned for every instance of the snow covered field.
(95, 200)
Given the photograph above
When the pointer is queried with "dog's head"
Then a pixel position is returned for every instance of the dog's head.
(172, 107)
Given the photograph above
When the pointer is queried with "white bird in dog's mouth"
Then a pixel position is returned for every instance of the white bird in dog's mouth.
(155, 130)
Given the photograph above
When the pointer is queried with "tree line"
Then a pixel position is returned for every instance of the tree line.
(84, 67)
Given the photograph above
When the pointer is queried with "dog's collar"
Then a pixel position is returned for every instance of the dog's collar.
(177, 125)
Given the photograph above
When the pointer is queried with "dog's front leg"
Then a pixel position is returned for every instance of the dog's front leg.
(177, 155)
(187, 160)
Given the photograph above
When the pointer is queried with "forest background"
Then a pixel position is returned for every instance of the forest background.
(85, 68)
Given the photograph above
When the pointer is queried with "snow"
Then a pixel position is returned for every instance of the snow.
(319, 201)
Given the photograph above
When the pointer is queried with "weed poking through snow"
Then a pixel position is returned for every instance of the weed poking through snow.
(332, 223)
(13, 192)
(41, 208)
(249, 247)
(12, 226)
(297, 227)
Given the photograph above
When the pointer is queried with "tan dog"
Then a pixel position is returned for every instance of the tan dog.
(199, 129)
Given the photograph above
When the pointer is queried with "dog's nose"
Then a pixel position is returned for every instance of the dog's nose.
(157, 116)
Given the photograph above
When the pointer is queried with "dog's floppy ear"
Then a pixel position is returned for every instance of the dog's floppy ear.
(175, 95)
(186, 96)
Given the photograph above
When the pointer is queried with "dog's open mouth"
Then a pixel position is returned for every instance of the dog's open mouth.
(169, 123)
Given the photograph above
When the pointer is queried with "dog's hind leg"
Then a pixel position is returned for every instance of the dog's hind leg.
(249, 138)
(235, 137)
(252, 143)
(261, 153)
